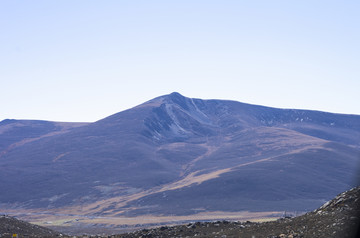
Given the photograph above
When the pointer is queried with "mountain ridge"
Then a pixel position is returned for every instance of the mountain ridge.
(153, 158)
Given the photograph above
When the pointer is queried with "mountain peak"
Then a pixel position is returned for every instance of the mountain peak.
(178, 99)
(175, 94)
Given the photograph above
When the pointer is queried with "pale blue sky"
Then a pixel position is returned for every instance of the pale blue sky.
(73, 60)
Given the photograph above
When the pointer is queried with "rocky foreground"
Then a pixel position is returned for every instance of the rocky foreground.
(10, 226)
(336, 218)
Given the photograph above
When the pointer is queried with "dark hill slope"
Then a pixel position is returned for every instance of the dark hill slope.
(10, 226)
(175, 154)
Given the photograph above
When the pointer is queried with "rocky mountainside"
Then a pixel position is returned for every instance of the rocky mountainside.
(10, 226)
(178, 155)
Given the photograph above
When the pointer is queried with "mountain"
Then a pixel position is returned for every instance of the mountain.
(178, 155)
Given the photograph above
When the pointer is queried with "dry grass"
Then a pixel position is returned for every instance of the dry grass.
(62, 219)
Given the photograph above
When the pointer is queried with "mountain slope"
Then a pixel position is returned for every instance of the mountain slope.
(177, 155)
(15, 133)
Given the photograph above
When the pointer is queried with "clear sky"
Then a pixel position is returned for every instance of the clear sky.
(83, 60)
